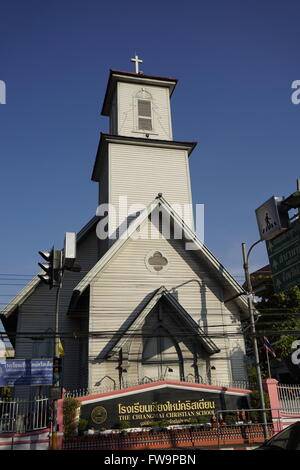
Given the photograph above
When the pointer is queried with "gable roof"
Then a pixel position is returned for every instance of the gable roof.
(20, 298)
(237, 293)
(162, 293)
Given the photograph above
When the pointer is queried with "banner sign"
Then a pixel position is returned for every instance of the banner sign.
(14, 372)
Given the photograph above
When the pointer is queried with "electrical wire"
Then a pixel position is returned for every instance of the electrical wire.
(122, 333)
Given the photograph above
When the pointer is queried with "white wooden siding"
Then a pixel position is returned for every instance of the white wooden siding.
(160, 106)
(125, 285)
(37, 315)
(104, 181)
(236, 345)
(140, 173)
(113, 127)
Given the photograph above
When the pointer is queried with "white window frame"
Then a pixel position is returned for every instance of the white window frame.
(136, 99)
(141, 116)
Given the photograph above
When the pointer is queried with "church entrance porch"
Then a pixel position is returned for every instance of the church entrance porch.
(163, 342)
(161, 357)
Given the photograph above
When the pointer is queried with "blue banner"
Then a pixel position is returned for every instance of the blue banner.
(15, 372)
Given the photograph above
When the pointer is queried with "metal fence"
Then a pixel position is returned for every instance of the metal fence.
(235, 429)
(17, 415)
(289, 398)
(233, 436)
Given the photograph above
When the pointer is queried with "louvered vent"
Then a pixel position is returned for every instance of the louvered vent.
(144, 108)
(145, 124)
(144, 115)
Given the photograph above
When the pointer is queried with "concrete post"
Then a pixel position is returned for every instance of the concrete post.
(60, 424)
(270, 386)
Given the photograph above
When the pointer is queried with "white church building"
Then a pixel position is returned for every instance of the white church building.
(151, 303)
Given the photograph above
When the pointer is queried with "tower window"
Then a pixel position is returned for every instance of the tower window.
(144, 115)
(144, 107)
(145, 124)
(143, 112)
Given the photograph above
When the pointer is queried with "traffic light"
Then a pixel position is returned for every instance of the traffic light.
(57, 367)
(52, 268)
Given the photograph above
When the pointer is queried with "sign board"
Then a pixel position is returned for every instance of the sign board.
(271, 218)
(14, 372)
(141, 408)
(284, 257)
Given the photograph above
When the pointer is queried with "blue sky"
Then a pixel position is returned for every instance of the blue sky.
(235, 61)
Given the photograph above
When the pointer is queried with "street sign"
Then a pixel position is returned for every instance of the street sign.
(26, 372)
(286, 279)
(284, 257)
(272, 218)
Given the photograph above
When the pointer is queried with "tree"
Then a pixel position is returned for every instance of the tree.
(6, 392)
(70, 408)
(279, 321)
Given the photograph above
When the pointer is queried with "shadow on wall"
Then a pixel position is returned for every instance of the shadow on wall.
(120, 333)
(238, 364)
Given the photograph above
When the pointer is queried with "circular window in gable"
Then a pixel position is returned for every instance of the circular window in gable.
(156, 262)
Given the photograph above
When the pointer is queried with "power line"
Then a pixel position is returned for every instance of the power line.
(125, 333)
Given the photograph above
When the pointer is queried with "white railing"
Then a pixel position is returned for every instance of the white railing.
(17, 415)
(289, 398)
(115, 386)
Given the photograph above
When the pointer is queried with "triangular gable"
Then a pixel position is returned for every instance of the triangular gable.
(236, 291)
(208, 344)
(136, 324)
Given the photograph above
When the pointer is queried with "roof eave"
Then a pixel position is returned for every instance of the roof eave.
(160, 293)
(105, 139)
(130, 77)
(20, 298)
(219, 269)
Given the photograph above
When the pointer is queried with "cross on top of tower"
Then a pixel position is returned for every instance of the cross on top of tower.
(137, 62)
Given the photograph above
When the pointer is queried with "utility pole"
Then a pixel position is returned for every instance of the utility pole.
(57, 262)
(253, 333)
(273, 219)
(57, 359)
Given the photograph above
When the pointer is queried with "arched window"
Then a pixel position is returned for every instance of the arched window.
(144, 111)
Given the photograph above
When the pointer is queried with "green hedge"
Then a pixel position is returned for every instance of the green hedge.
(70, 406)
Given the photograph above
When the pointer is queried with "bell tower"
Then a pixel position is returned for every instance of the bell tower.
(138, 105)
(139, 158)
